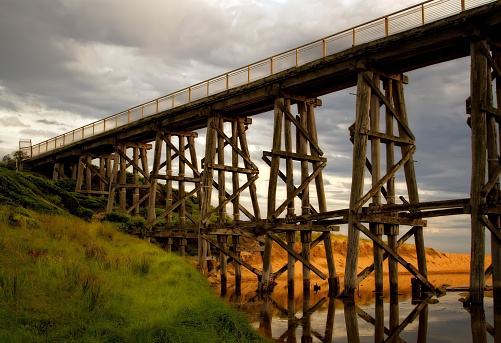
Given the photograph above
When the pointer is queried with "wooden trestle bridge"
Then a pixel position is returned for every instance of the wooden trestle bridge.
(372, 57)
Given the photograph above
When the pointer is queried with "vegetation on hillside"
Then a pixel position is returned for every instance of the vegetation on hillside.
(63, 278)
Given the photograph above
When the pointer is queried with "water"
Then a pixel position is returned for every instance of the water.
(324, 319)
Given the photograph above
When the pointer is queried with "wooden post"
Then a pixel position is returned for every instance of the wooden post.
(291, 261)
(303, 150)
(208, 174)
(289, 168)
(168, 183)
(478, 89)
(235, 175)
(74, 171)
(272, 191)
(168, 246)
(205, 201)
(181, 192)
(495, 244)
(122, 200)
(306, 246)
(252, 188)
(377, 229)
(102, 172)
(88, 174)
(153, 184)
(275, 159)
(222, 240)
(319, 181)
(113, 177)
(80, 174)
(238, 267)
(357, 183)
(329, 255)
(410, 176)
(391, 230)
(221, 174)
(135, 180)
(182, 243)
(55, 173)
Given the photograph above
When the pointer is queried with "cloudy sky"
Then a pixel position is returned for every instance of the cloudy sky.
(66, 63)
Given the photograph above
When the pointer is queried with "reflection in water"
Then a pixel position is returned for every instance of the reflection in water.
(318, 318)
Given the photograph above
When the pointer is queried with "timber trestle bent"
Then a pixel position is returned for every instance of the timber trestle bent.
(174, 189)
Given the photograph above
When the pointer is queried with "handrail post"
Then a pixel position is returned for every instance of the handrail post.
(172, 100)
(463, 5)
(324, 47)
(422, 14)
(93, 129)
(248, 74)
(297, 58)
(354, 37)
(189, 94)
(387, 26)
(104, 125)
(128, 116)
(227, 81)
(157, 106)
(207, 87)
(271, 66)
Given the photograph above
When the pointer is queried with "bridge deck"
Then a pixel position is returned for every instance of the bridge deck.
(436, 42)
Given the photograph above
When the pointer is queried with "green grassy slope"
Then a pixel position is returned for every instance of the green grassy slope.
(64, 279)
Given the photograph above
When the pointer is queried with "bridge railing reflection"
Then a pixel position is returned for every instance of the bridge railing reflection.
(388, 25)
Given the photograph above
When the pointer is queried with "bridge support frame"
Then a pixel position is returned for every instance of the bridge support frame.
(484, 121)
(306, 137)
(118, 178)
(366, 127)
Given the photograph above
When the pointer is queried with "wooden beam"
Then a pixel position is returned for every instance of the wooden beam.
(294, 156)
(284, 178)
(302, 129)
(398, 258)
(234, 257)
(385, 179)
(369, 269)
(371, 218)
(303, 185)
(175, 205)
(297, 256)
(235, 147)
(388, 104)
(135, 165)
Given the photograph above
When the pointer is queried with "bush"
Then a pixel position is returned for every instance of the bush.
(117, 217)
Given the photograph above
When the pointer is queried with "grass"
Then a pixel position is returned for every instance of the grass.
(64, 279)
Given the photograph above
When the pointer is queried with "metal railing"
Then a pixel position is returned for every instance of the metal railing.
(381, 27)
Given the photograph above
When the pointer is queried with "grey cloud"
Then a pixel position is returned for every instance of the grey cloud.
(48, 122)
(12, 122)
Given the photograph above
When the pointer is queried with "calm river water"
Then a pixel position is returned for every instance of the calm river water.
(324, 319)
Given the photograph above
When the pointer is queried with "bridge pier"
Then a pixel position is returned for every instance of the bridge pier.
(366, 127)
(306, 137)
(484, 119)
